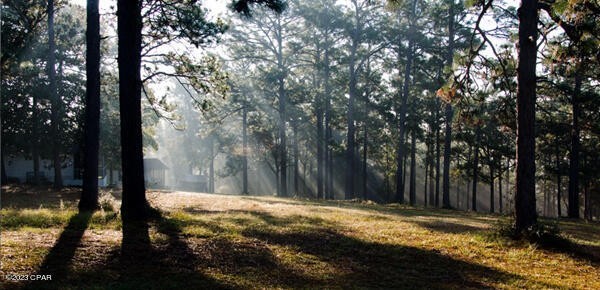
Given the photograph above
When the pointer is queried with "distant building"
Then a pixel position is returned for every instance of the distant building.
(190, 182)
(20, 169)
(154, 173)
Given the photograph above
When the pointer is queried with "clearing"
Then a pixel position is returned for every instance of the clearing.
(221, 241)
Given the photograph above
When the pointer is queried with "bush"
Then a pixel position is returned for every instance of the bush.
(544, 233)
(107, 202)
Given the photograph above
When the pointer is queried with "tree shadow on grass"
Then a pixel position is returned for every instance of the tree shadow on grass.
(284, 253)
(138, 263)
(375, 208)
(448, 227)
(246, 262)
(169, 264)
(58, 261)
(560, 244)
(364, 264)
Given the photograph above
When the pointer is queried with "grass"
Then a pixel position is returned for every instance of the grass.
(220, 241)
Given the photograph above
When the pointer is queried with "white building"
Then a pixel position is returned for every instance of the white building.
(21, 169)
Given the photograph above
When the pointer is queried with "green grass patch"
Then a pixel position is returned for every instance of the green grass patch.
(13, 219)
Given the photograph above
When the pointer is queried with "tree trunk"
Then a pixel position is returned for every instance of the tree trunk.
(404, 165)
(431, 179)
(4, 177)
(525, 209)
(558, 180)
(447, 151)
(475, 168)
(449, 113)
(54, 98)
(320, 160)
(211, 166)
(431, 174)
(458, 189)
(574, 156)
(245, 149)
(586, 194)
(508, 191)
(296, 155)
(413, 168)
(89, 193)
(331, 191)
(500, 197)
(492, 197)
(278, 178)
(35, 136)
(364, 162)
(328, 194)
(467, 203)
(427, 156)
(134, 204)
(350, 144)
(437, 156)
(282, 112)
(400, 155)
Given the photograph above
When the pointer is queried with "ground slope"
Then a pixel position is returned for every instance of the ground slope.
(220, 241)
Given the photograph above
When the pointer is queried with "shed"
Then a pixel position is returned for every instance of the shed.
(154, 172)
(192, 182)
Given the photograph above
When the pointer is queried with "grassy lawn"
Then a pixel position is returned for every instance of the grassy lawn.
(220, 241)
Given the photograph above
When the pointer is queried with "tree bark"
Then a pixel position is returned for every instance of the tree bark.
(587, 214)
(427, 156)
(467, 203)
(4, 177)
(413, 168)
(558, 180)
(400, 155)
(211, 166)
(364, 161)
(449, 113)
(404, 165)
(525, 209)
(353, 93)
(320, 159)
(475, 168)
(500, 197)
(431, 179)
(245, 149)
(54, 98)
(296, 155)
(134, 204)
(35, 136)
(458, 189)
(574, 155)
(492, 197)
(437, 156)
(282, 113)
(508, 191)
(328, 194)
(89, 193)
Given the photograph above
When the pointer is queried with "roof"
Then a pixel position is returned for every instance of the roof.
(154, 163)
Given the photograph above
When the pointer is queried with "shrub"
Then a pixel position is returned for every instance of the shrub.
(544, 233)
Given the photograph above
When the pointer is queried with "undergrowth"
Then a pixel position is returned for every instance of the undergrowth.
(543, 233)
